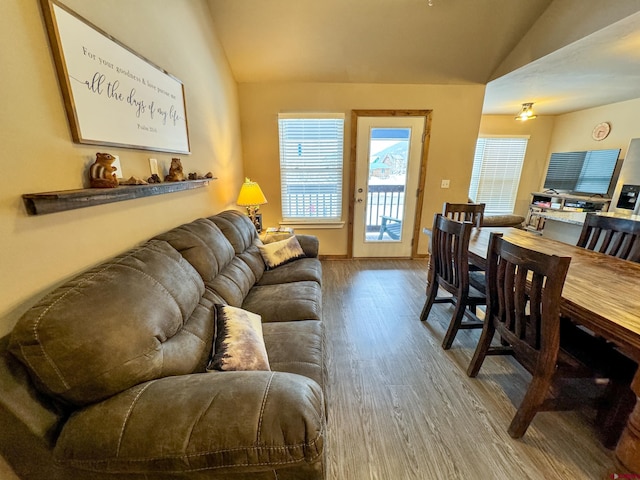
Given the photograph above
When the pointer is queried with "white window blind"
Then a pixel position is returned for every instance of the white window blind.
(311, 164)
(497, 165)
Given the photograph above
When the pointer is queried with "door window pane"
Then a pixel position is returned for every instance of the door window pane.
(388, 159)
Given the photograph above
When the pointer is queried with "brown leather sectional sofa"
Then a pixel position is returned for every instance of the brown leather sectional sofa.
(105, 377)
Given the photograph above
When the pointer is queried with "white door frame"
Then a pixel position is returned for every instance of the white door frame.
(423, 168)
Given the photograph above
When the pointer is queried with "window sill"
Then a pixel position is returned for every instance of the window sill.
(298, 225)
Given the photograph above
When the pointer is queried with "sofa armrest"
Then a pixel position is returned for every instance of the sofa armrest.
(220, 421)
(310, 244)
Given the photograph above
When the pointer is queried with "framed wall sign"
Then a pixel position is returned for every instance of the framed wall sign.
(112, 95)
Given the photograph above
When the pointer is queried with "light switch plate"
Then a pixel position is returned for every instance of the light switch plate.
(444, 184)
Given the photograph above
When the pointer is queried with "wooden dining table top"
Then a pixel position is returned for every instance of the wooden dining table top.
(600, 292)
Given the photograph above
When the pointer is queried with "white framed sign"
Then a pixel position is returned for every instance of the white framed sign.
(112, 95)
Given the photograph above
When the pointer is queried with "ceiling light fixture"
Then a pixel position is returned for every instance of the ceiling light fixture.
(526, 113)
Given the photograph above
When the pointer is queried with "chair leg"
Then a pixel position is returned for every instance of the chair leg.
(482, 348)
(432, 291)
(454, 325)
(533, 399)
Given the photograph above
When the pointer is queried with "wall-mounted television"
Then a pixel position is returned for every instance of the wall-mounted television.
(588, 172)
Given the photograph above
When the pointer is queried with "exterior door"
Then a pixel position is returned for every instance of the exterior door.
(387, 174)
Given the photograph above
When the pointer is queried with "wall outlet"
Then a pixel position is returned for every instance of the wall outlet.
(444, 184)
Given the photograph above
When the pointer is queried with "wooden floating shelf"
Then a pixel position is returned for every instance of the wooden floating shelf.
(51, 202)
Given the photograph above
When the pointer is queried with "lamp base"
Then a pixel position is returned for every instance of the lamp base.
(256, 219)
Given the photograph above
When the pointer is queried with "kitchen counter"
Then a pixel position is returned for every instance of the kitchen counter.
(574, 218)
(566, 226)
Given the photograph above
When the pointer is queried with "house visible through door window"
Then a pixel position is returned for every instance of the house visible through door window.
(497, 165)
(311, 164)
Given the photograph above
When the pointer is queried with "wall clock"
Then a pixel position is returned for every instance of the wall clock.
(601, 131)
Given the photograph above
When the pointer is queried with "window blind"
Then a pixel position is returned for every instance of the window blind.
(311, 164)
(497, 165)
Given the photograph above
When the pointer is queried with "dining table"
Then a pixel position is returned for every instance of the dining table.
(602, 293)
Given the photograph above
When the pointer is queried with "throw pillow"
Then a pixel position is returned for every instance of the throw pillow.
(239, 344)
(278, 253)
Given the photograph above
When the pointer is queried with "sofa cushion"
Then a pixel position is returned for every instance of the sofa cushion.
(239, 344)
(296, 347)
(203, 245)
(279, 253)
(302, 269)
(242, 235)
(232, 423)
(136, 317)
(285, 302)
(238, 229)
(234, 282)
(229, 276)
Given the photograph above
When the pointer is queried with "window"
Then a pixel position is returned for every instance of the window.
(497, 164)
(311, 163)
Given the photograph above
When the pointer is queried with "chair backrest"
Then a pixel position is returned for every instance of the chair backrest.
(524, 288)
(465, 212)
(450, 253)
(615, 236)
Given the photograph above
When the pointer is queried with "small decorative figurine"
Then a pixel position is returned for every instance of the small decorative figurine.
(133, 181)
(195, 176)
(175, 171)
(154, 179)
(101, 173)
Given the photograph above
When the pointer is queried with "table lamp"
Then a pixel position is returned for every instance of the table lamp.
(251, 196)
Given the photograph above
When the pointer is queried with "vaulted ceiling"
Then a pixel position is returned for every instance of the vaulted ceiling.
(451, 42)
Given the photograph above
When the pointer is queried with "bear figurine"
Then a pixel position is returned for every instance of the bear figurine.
(101, 173)
(175, 171)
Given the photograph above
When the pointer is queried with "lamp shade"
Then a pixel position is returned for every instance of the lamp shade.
(250, 194)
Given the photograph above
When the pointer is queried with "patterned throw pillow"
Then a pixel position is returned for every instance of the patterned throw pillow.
(239, 344)
(278, 253)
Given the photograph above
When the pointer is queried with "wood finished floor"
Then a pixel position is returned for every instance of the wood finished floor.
(400, 407)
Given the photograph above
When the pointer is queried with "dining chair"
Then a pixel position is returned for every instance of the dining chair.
(618, 237)
(449, 270)
(615, 236)
(465, 212)
(524, 290)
